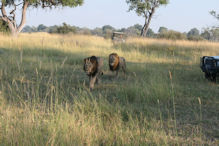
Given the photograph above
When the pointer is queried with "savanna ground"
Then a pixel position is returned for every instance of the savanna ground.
(163, 100)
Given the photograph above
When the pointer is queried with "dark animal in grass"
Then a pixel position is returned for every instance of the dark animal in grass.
(93, 68)
(117, 63)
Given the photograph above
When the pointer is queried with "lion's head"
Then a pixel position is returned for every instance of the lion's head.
(113, 61)
(90, 65)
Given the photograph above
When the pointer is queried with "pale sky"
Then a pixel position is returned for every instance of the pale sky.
(180, 15)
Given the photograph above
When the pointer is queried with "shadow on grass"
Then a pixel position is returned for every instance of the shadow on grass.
(54, 76)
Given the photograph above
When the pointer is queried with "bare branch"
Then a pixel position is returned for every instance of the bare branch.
(3, 10)
(19, 3)
(4, 14)
(13, 15)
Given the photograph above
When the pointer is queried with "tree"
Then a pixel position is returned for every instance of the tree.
(145, 8)
(97, 31)
(27, 29)
(162, 30)
(41, 28)
(108, 31)
(172, 35)
(132, 31)
(138, 27)
(65, 28)
(206, 34)
(53, 29)
(107, 27)
(13, 5)
(150, 33)
(194, 34)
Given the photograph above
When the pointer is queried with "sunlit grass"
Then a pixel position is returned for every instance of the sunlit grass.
(44, 96)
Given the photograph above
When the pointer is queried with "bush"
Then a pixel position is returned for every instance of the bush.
(66, 29)
(195, 38)
(3, 27)
(172, 35)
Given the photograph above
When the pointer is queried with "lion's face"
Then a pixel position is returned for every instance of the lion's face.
(112, 60)
(90, 65)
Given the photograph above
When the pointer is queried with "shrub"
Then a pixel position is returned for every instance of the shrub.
(172, 35)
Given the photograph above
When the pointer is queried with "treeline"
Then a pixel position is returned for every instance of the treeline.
(211, 34)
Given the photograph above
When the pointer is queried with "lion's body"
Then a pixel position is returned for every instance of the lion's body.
(116, 63)
(93, 68)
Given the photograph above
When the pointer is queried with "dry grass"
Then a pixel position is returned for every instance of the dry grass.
(44, 98)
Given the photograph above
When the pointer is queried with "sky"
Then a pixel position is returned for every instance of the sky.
(179, 15)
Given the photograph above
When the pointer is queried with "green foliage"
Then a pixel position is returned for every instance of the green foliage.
(3, 26)
(142, 6)
(138, 27)
(195, 38)
(97, 31)
(193, 32)
(206, 34)
(27, 29)
(172, 35)
(145, 8)
(53, 29)
(47, 3)
(84, 31)
(133, 30)
(108, 31)
(150, 33)
(106, 28)
(65, 28)
(215, 34)
(211, 34)
(214, 14)
(162, 30)
(194, 35)
(41, 28)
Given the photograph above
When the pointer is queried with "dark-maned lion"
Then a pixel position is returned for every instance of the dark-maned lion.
(93, 68)
(116, 63)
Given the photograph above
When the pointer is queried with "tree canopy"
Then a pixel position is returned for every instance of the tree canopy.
(145, 8)
(13, 5)
(213, 13)
(44, 3)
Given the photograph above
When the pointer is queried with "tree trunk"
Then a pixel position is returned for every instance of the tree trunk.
(145, 30)
(147, 22)
(15, 30)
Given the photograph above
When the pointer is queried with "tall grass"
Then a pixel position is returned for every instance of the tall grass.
(44, 96)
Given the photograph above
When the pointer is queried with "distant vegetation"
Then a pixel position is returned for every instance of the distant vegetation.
(211, 34)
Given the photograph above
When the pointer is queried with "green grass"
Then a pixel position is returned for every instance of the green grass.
(44, 96)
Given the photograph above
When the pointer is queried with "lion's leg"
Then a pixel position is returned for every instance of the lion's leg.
(124, 70)
(92, 82)
(117, 73)
(98, 80)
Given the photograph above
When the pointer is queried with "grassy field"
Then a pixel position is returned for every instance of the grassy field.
(163, 100)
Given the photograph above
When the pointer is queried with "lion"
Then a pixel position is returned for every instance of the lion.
(116, 63)
(93, 68)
